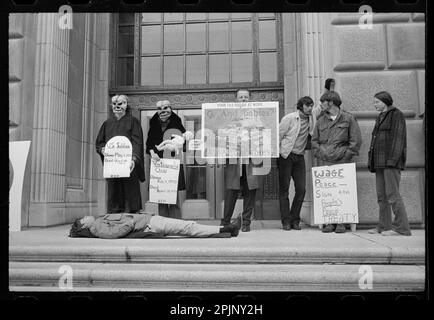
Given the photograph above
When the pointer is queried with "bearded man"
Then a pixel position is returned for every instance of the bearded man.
(123, 194)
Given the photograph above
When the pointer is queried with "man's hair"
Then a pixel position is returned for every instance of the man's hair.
(77, 230)
(241, 89)
(304, 101)
(332, 96)
(385, 97)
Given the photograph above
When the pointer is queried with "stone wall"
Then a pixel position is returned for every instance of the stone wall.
(391, 57)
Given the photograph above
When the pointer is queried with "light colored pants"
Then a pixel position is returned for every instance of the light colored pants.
(169, 226)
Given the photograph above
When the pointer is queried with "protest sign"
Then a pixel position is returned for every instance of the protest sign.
(335, 194)
(117, 159)
(163, 180)
(240, 130)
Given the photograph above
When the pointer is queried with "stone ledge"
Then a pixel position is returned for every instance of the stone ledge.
(353, 18)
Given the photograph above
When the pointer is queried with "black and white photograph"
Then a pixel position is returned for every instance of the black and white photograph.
(109, 188)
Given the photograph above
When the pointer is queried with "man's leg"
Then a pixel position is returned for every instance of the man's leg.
(230, 200)
(169, 226)
(285, 170)
(115, 196)
(248, 201)
(299, 177)
(163, 210)
(133, 200)
(392, 178)
(385, 214)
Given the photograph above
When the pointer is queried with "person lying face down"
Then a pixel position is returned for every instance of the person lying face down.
(112, 226)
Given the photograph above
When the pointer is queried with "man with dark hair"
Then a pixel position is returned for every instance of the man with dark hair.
(147, 225)
(234, 181)
(336, 139)
(294, 130)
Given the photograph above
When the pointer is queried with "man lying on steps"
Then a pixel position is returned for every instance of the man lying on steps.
(147, 225)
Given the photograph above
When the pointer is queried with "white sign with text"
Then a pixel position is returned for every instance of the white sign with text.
(335, 194)
(117, 159)
(163, 180)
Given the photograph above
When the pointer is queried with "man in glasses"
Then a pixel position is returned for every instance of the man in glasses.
(123, 194)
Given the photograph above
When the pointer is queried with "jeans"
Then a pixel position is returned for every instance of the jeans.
(295, 167)
(387, 184)
(248, 203)
(169, 226)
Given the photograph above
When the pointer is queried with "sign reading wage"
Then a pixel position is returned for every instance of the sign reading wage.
(117, 159)
(163, 181)
(240, 130)
(335, 194)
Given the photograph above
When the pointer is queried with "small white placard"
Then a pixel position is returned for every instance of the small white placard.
(163, 180)
(117, 159)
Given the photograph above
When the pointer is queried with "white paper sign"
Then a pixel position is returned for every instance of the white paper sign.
(163, 181)
(195, 144)
(118, 157)
(335, 194)
(18, 152)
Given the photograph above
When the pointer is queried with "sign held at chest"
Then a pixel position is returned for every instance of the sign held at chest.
(117, 159)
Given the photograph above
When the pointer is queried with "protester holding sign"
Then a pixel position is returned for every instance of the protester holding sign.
(123, 194)
(162, 126)
(336, 139)
(387, 156)
(294, 129)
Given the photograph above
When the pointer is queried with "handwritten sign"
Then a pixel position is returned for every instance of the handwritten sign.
(163, 181)
(117, 159)
(240, 130)
(335, 194)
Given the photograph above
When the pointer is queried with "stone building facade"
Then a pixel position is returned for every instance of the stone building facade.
(60, 82)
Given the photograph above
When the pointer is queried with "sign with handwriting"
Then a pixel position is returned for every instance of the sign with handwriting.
(163, 181)
(335, 194)
(117, 158)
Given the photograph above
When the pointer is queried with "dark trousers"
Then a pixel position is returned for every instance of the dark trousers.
(169, 211)
(387, 183)
(123, 194)
(295, 167)
(231, 196)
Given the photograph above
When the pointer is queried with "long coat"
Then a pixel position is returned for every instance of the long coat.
(232, 177)
(389, 141)
(156, 135)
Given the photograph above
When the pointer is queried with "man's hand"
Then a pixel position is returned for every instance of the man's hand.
(103, 151)
(132, 165)
(154, 155)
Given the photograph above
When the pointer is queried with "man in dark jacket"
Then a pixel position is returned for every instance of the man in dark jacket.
(387, 156)
(123, 194)
(336, 139)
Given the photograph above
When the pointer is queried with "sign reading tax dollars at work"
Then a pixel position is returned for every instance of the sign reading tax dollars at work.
(335, 194)
(117, 159)
(163, 181)
(240, 130)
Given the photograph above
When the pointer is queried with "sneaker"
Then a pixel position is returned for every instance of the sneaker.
(286, 226)
(390, 233)
(340, 228)
(296, 226)
(374, 231)
(245, 229)
(328, 228)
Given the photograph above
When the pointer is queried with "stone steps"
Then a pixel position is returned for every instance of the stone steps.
(44, 276)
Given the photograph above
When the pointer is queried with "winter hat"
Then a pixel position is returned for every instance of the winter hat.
(385, 97)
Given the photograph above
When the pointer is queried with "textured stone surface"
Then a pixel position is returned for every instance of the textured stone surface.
(16, 63)
(419, 16)
(406, 45)
(410, 189)
(356, 48)
(354, 18)
(16, 25)
(421, 85)
(357, 89)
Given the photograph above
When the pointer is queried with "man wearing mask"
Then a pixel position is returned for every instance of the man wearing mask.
(336, 139)
(123, 194)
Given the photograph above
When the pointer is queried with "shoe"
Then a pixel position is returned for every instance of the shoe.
(296, 226)
(390, 233)
(328, 228)
(287, 226)
(245, 229)
(340, 228)
(233, 229)
(223, 223)
(374, 231)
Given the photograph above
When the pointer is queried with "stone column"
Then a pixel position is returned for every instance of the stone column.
(49, 124)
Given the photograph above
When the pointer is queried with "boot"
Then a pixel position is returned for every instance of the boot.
(233, 228)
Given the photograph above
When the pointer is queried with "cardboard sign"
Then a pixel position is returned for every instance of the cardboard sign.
(335, 194)
(163, 181)
(18, 152)
(240, 130)
(117, 160)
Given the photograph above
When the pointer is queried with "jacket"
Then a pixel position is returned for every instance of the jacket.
(118, 225)
(129, 127)
(156, 135)
(336, 141)
(388, 147)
